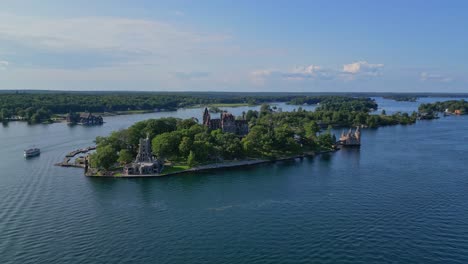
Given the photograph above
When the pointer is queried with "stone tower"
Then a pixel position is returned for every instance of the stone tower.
(206, 117)
(144, 151)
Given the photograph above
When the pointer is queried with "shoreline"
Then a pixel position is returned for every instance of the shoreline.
(217, 166)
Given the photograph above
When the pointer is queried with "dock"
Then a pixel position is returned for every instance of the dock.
(70, 155)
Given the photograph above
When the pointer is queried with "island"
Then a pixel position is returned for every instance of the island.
(401, 98)
(451, 107)
(166, 146)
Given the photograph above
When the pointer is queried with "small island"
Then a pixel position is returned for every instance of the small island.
(401, 98)
(451, 107)
(158, 147)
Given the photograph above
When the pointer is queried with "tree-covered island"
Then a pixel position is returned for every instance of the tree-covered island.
(456, 107)
(272, 134)
(401, 98)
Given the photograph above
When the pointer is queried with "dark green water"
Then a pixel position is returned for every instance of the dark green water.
(401, 198)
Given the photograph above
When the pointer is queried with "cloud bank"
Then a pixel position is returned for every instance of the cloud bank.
(352, 71)
(434, 77)
(124, 40)
(363, 67)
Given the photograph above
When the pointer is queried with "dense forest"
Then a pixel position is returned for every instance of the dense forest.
(41, 106)
(38, 107)
(272, 134)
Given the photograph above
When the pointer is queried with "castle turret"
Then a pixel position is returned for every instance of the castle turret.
(144, 151)
(206, 117)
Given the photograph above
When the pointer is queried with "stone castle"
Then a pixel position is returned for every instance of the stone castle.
(350, 138)
(227, 123)
(144, 163)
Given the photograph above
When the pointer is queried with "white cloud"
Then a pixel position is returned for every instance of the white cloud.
(317, 72)
(133, 39)
(297, 73)
(434, 77)
(3, 64)
(259, 77)
(362, 67)
(309, 72)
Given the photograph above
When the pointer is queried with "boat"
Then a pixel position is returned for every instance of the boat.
(33, 152)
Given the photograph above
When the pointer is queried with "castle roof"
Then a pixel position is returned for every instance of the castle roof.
(86, 115)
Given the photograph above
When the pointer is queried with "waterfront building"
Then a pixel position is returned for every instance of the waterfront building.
(351, 138)
(87, 119)
(144, 163)
(227, 123)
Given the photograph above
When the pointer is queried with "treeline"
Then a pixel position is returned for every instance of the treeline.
(39, 107)
(401, 98)
(35, 107)
(451, 106)
(337, 103)
(71, 102)
(30, 114)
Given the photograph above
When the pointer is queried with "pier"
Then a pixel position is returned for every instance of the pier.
(66, 161)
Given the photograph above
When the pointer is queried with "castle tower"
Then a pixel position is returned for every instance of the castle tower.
(206, 117)
(144, 151)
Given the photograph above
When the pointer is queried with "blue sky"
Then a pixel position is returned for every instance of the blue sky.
(310, 46)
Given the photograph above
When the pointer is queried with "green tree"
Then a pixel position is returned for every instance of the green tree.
(326, 141)
(265, 109)
(166, 145)
(251, 114)
(125, 157)
(186, 123)
(105, 157)
(311, 129)
(191, 160)
(185, 146)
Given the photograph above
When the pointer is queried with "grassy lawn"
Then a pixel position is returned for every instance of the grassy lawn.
(175, 168)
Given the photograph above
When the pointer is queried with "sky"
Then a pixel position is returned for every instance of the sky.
(252, 46)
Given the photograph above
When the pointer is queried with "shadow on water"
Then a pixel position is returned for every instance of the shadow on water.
(352, 155)
(101, 185)
(325, 157)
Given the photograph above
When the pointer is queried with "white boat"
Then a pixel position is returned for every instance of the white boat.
(32, 152)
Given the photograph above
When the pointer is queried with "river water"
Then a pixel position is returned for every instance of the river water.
(401, 198)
